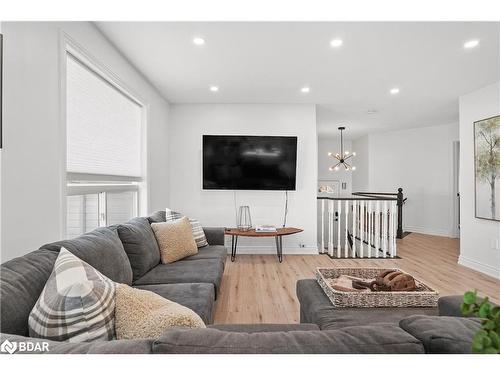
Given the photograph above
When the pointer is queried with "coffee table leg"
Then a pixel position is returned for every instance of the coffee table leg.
(279, 248)
(234, 243)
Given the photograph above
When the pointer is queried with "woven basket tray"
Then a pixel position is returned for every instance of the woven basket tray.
(424, 296)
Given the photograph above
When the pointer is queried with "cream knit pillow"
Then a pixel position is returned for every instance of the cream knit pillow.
(141, 314)
(175, 239)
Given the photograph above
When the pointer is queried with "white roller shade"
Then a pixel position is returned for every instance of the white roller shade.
(103, 125)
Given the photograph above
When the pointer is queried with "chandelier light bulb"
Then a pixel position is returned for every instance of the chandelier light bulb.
(353, 168)
(336, 168)
(353, 154)
(331, 168)
(329, 154)
(346, 152)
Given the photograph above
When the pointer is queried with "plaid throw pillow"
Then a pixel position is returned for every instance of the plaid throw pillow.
(77, 303)
(198, 233)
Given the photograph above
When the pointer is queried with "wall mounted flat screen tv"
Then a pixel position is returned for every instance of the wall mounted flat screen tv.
(249, 162)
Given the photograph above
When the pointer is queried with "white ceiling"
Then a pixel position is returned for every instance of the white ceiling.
(269, 63)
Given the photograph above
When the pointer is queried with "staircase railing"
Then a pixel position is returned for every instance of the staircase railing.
(358, 226)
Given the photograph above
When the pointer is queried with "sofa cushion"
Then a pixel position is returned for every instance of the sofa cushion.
(185, 271)
(175, 240)
(103, 250)
(210, 252)
(157, 217)
(315, 307)
(265, 327)
(21, 282)
(199, 297)
(442, 334)
(384, 338)
(140, 244)
(77, 303)
(142, 314)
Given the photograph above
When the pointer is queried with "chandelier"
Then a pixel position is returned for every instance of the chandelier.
(342, 157)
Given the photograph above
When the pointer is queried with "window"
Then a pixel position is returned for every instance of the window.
(104, 150)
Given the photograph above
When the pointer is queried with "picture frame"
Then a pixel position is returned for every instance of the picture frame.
(487, 168)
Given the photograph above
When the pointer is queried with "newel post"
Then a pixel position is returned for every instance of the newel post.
(400, 214)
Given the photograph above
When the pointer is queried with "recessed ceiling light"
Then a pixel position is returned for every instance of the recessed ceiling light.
(305, 90)
(336, 43)
(214, 88)
(394, 91)
(198, 41)
(471, 43)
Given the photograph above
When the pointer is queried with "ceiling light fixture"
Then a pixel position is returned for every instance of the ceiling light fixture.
(335, 43)
(372, 112)
(342, 156)
(394, 91)
(198, 41)
(305, 90)
(471, 43)
(214, 88)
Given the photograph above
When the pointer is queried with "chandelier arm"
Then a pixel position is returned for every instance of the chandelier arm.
(348, 157)
(334, 166)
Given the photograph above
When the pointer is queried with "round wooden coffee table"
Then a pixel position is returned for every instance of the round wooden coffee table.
(278, 235)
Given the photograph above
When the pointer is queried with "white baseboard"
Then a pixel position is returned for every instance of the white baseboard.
(265, 250)
(478, 266)
(430, 231)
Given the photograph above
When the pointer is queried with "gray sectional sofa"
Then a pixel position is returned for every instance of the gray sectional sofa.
(129, 254)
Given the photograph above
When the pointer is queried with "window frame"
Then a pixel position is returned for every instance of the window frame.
(83, 183)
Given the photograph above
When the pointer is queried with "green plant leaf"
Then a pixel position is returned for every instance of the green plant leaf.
(470, 297)
(490, 350)
(484, 310)
(488, 325)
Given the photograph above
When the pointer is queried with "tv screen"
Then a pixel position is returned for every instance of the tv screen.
(249, 162)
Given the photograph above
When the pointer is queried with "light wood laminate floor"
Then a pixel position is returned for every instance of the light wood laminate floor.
(258, 289)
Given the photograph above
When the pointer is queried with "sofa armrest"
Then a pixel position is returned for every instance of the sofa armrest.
(30, 345)
(214, 235)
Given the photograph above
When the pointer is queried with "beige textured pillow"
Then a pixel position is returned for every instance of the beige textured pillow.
(175, 239)
(141, 314)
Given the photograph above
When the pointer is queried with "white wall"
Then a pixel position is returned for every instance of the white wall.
(421, 162)
(477, 236)
(326, 145)
(217, 208)
(360, 179)
(33, 165)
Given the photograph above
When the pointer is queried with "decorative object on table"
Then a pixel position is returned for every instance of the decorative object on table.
(265, 228)
(175, 239)
(198, 233)
(77, 303)
(278, 234)
(244, 221)
(487, 167)
(422, 296)
(389, 280)
(142, 314)
(487, 339)
(343, 156)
